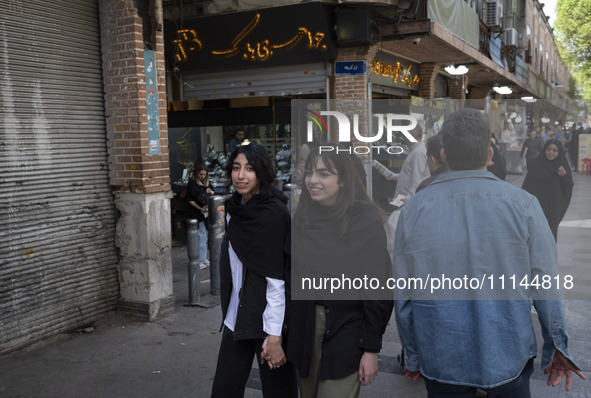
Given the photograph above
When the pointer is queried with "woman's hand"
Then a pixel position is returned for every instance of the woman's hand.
(368, 368)
(209, 191)
(561, 171)
(273, 352)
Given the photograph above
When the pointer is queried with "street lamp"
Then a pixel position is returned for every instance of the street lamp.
(503, 90)
(456, 70)
(528, 99)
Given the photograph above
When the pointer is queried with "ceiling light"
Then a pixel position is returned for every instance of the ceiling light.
(504, 90)
(528, 99)
(456, 71)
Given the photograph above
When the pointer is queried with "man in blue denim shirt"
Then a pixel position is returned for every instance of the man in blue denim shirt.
(454, 241)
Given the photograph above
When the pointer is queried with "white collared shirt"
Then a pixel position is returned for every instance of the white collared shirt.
(275, 309)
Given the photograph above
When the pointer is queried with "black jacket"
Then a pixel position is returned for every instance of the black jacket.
(198, 194)
(266, 239)
(353, 326)
(253, 298)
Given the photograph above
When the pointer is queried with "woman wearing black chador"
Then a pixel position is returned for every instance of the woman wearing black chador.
(550, 180)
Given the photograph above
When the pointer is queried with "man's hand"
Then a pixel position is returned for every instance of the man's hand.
(392, 176)
(411, 375)
(273, 352)
(368, 368)
(559, 368)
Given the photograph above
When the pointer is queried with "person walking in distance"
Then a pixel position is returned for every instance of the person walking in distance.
(414, 169)
(550, 180)
(531, 147)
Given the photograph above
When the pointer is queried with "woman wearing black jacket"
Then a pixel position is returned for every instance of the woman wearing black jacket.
(338, 232)
(198, 191)
(254, 280)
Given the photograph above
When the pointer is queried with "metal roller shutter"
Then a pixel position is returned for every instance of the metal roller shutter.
(289, 80)
(58, 262)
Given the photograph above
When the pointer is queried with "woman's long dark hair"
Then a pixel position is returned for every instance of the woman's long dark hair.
(353, 190)
(196, 170)
(260, 161)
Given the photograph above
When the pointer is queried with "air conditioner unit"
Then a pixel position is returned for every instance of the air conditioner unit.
(494, 15)
(510, 37)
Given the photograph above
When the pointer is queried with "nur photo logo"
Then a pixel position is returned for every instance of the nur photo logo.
(388, 122)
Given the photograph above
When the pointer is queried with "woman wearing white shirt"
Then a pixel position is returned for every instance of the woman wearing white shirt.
(254, 280)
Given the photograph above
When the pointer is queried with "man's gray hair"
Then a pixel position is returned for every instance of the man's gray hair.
(417, 132)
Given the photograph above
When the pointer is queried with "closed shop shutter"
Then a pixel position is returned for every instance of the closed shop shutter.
(292, 80)
(58, 262)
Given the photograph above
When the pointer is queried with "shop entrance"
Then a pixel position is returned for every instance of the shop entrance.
(203, 136)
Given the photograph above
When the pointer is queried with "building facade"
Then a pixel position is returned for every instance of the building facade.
(85, 209)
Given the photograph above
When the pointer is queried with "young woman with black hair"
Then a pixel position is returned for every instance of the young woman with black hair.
(337, 231)
(254, 279)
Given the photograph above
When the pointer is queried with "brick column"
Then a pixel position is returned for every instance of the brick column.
(353, 91)
(427, 75)
(141, 180)
(479, 92)
(457, 87)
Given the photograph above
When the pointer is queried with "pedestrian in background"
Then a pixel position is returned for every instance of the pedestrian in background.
(481, 225)
(576, 132)
(543, 133)
(531, 147)
(334, 344)
(236, 140)
(414, 169)
(436, 165)
(254, 280)
(497, 164)
(550, 180)
(198, 191)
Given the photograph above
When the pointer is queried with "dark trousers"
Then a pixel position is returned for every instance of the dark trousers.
(234, 363)
(518, 388)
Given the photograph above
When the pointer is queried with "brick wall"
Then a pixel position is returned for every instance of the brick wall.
(427, 75)
(131, 167)
(353, 88)
(479, 92)
(457, 87)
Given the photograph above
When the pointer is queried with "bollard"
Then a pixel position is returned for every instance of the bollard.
(289, 190)
(217, 229)
(194, 271)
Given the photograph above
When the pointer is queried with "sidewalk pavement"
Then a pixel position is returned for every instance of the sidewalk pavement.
(176, 356)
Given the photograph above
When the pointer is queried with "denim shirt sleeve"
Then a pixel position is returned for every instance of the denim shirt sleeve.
(548, 303)
(403, 308)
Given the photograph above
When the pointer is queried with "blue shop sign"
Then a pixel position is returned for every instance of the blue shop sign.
(350, 68)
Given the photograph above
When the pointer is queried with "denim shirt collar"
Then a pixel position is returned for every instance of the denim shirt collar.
(464, 174)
